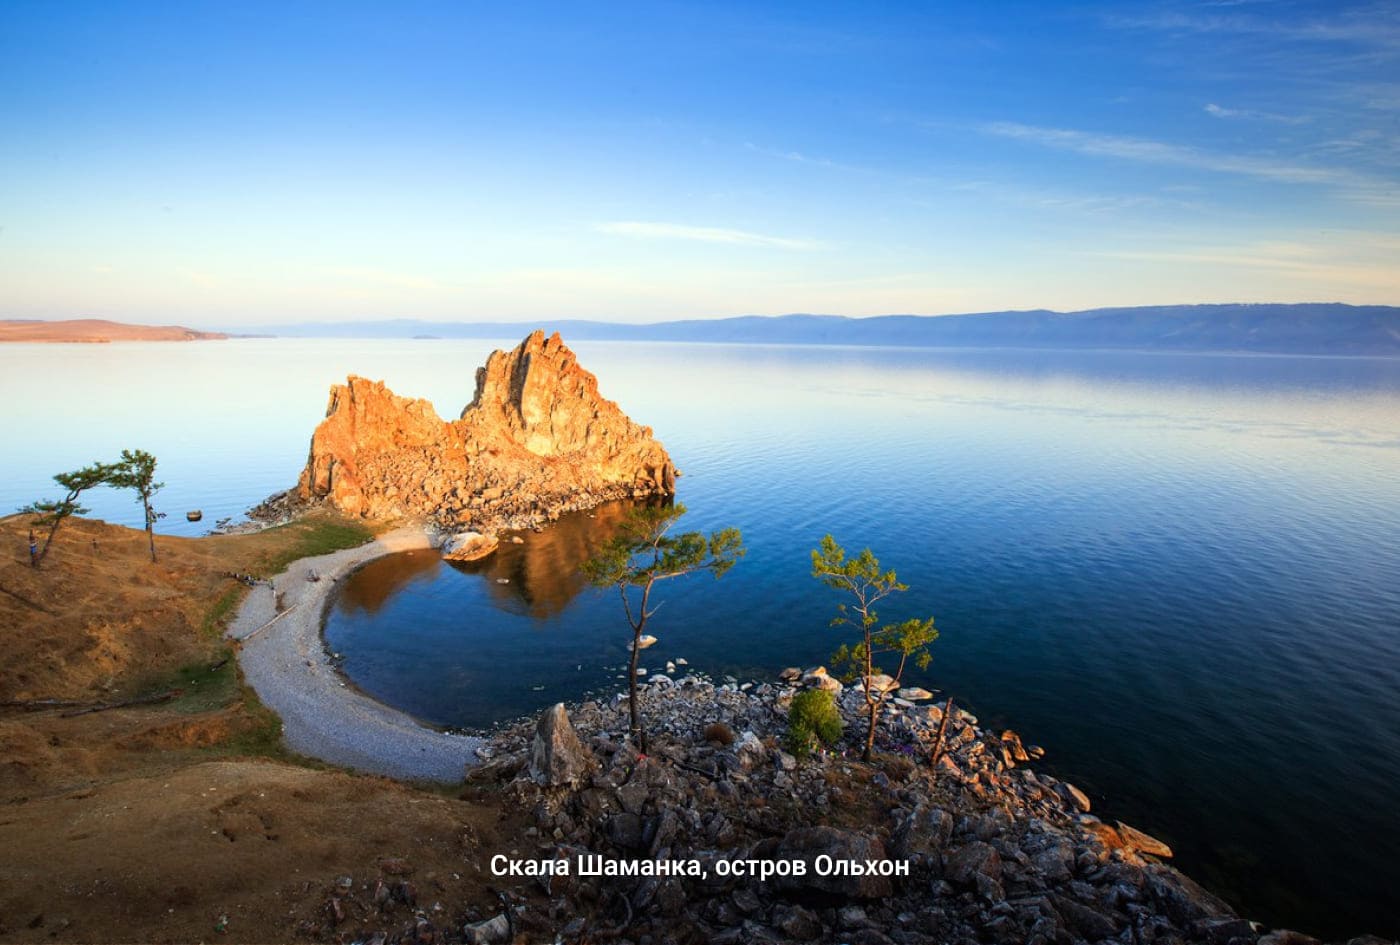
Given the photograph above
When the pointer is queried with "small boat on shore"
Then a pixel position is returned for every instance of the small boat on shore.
(194, 516)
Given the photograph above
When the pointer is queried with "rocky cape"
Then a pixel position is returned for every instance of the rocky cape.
(537, 440)
(990, 849)
(98, 331)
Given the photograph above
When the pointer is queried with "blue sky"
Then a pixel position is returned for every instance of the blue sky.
(236, 164)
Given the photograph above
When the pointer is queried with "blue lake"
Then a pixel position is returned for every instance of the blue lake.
(1180, 574)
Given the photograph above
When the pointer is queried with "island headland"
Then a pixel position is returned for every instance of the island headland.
(98, 331)
(537, 440)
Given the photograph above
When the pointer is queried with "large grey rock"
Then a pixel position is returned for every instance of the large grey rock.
(1072, 796)
(922, 833)
(1180, 898)
(489, 932)
(842, 846)
(970, 861)
(557, 757)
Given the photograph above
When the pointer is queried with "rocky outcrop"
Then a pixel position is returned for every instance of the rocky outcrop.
(537, 439)
(988, 850)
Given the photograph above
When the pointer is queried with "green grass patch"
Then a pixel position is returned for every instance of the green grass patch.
(204, 686)
(262, 737)
(214, 620)
(311, 537)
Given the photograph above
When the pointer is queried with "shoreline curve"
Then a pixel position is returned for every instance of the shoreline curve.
(283, 658)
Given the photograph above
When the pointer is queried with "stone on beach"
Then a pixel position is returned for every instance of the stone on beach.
(557, 757)
(879, 683)
(468, 546)
(1142, 842)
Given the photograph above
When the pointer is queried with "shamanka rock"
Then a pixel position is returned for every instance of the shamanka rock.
(537, 439)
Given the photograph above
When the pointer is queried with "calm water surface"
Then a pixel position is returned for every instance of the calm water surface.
(1180, 574)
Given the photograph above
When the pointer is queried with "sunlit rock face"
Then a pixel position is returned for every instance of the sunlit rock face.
(538, 439)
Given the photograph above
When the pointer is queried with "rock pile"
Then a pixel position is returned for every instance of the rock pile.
(537, 440)
(995, 851)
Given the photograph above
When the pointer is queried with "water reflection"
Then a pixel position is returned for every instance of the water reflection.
(541, 572)
(531, 574)
(374, 584)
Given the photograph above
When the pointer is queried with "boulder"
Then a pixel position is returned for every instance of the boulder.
(1143, 843)
(971, 860)
(879, 683)
(922, 833)
(809, 843)
(489, 932)
(557, 757)
(1287, 937)
(914, 694)
(1072, 796)
(468, 546)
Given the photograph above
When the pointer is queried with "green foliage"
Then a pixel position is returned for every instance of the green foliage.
(643, 552)
(136, 470)
(813, 719)
(213, 624)
(864, 584)
(52, 512)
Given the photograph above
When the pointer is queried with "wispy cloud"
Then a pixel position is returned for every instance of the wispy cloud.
(1355, 259)
(702, 234)
(1147, 151)
(1219, 111)
(1377, 26)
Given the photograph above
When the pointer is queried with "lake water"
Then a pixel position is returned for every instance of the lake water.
(1180, 574)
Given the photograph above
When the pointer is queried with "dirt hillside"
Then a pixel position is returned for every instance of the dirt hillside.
(180, 818)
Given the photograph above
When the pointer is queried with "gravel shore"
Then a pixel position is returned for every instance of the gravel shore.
(285, 662)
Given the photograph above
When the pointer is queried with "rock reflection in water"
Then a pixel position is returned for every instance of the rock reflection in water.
(542, 572)
(382, 578)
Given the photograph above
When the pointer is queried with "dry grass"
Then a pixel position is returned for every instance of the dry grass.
(147, 823)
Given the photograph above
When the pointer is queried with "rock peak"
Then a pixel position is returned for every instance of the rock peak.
(537, 439)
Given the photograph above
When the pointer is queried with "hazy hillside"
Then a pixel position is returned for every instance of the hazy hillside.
(99, 330)
(1312, 328)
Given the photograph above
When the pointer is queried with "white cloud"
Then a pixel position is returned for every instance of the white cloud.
(1343, 261)
(1219, 111)
(1362, 187)
(702, 234)
(1375, 26)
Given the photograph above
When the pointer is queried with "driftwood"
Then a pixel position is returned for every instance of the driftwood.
(39, 705)
(279, 616)
(141, 700)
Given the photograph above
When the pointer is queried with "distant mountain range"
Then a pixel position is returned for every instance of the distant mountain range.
(98, 331)
(1310, 328)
